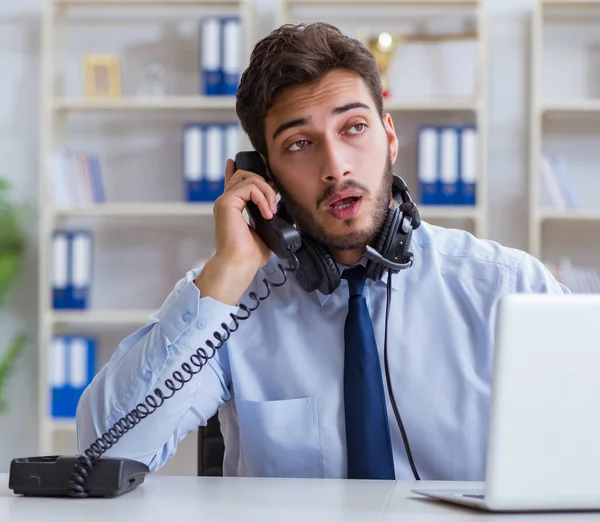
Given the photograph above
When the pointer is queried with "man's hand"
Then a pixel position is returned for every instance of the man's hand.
(240, 251)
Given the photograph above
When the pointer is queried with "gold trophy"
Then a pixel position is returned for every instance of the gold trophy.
(383, 48)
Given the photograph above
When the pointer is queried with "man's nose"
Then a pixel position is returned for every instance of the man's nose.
(334, 163)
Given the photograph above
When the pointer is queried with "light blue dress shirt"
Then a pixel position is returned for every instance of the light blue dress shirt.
(278, 381)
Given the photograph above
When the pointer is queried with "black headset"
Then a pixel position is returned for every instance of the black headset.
(316, 269)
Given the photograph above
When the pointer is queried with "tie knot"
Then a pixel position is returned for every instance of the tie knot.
(356, 278)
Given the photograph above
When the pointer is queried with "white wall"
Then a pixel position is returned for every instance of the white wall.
(508, 120)
(19, 117)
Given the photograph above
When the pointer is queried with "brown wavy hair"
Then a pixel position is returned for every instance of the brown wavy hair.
(298, 54)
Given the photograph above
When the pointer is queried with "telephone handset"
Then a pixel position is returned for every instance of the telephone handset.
(281, 237)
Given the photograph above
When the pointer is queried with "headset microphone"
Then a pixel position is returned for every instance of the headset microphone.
(372, 255)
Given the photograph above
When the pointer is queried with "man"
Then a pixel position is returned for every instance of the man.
(311, 104)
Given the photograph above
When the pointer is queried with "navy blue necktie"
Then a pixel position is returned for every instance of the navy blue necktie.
(369, 448)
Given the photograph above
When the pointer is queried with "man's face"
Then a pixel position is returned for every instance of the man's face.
(331, 158)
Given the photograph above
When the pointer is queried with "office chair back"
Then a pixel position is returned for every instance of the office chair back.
(211, 449)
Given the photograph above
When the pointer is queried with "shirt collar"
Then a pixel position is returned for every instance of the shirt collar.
(323, 298)
(272, 272)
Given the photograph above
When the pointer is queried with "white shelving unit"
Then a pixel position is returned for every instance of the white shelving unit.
(452, 4)
(117, 210)
(420, 111)
(573, 107)
(172, 103)
(57, 107)
(99, 317)
(160, 4)
(565, 120)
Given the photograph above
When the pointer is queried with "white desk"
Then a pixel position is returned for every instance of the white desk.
(208, 499)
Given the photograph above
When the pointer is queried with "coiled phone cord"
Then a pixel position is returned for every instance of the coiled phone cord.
(88, 459)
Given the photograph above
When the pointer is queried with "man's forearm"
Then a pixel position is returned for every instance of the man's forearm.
(141, 363)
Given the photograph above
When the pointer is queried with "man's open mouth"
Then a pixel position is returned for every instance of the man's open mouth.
(344, 203)
(345, 208)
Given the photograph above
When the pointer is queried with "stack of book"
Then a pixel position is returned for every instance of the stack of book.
(71, 367)
(75, 179)
(221, 55)
(557, 191)
(206, 148)
(578, 279)
(447, 165)
(71, 264)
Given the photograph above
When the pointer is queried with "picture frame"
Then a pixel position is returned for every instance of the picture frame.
(102, 74)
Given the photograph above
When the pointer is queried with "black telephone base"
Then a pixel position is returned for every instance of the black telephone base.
(48, 476)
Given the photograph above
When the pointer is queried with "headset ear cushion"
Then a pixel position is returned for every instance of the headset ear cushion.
(317, 270)
(398, 246)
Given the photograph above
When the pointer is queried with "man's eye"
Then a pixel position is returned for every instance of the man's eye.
(358, 128)
(297, 145)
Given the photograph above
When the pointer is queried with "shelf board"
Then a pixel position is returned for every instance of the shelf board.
(146, 103)
(573, 4)
(571, 107)
(570, 215)
(147, 3)
(387, 3)
(61, 425)
(448, 211)
(228, 103)
(118, 210)
(115, 210)
(430, 105)
(99, 317)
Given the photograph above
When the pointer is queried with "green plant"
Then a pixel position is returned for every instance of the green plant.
(12, 247)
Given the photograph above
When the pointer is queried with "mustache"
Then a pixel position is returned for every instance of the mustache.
(332, 189)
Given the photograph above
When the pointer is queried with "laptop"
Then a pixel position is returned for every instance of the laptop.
(543, 449)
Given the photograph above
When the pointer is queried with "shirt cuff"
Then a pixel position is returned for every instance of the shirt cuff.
(192, 319)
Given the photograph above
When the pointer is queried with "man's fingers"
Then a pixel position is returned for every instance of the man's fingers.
(261, 201)
(239, 197)
(229, 171)
(243, 178)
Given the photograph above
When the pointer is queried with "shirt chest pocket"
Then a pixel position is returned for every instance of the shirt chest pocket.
(280, 438)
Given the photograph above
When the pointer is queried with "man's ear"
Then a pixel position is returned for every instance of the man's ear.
(388, 125)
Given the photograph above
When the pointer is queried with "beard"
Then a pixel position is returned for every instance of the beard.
(352, 239)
